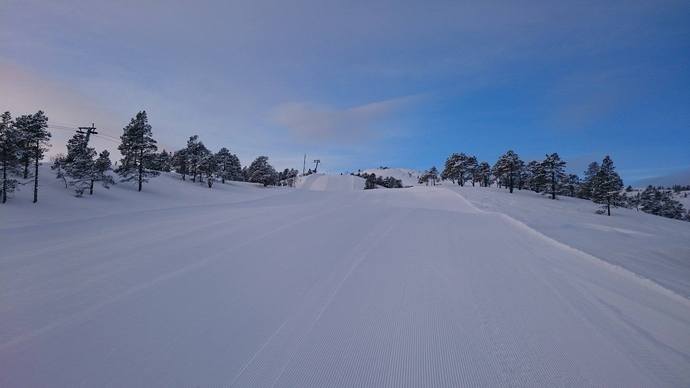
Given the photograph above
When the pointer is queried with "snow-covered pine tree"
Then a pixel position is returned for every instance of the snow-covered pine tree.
(101, 166)
(586, 186)
(521, 175)
(223, 159)
(661, 203)
(137, 147)
(450, 170)
(260, 171)
(462, 168)
(161, 161)
(429, 176)
(194, 152)
(536, 181)
(34, 136)
(553, 169)
(607, 185)
(9, 158)
(179, 163)
(507, 167)
(208, 165)
(571, 185)
(57, 166)
(229, 166)
(22, 124)
(433, 175)
(484, 171)
(472, 167)
(369, 181)
(78, 165)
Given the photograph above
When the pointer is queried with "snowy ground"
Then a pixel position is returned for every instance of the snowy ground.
(247, 286)
(654, 247)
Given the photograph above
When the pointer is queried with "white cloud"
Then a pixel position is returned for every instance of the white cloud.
(322, 122)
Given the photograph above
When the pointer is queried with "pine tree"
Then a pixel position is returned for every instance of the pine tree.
(229, 166)
(22, 125)
(607, 185)
(208, 165)
(484, 171)
(179, 163)
(369, 181)
(462, 168)
(571, 185)
(450, 169)
(590, 174)
(78, 165)
(9, 149)
(34, 143)
(137, 148)
(553, 169)
(472, 167)
(161, 161)
(522, 175)
(429, 176)
(660, 202)
(506, 167)
(260, 171)
(537, 178)
(193, 152)
(58, 161)
(101, 166)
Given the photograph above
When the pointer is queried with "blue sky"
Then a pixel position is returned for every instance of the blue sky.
(364, 83)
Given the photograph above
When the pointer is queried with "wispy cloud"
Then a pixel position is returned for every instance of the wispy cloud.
(321, 122)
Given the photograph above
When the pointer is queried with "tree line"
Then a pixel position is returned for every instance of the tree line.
(24, 141)
(371, 181)
(600, 184)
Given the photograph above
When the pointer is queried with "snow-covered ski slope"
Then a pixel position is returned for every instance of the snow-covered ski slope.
(300, 288)
(324, 182)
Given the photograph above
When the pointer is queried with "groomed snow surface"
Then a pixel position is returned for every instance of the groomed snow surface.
(335, 286)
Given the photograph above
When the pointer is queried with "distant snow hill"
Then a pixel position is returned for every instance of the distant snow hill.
(679, 178)
(323, 182)
(409, 177)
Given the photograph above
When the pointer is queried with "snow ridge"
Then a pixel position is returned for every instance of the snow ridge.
(599, 261)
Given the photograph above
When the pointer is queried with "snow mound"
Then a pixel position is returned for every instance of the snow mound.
(409, 177)
(323, 182)
(55, 202)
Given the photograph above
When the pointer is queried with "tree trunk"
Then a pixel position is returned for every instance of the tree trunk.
(608, 206)
(553, 185)
(4, 181)
(38, 150)
(141, 167)
(510, 182)
(26, 168)
(91, 188)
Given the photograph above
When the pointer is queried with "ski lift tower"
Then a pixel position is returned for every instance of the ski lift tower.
(317, 161)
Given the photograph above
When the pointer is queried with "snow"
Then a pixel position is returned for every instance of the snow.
(408, 176)
(653, 247)
(684, 198)
(323, 182)
(330, 285)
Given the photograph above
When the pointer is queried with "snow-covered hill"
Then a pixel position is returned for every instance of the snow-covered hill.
(56, 203)
(408, 176)
(331, 285)
(324, 182)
